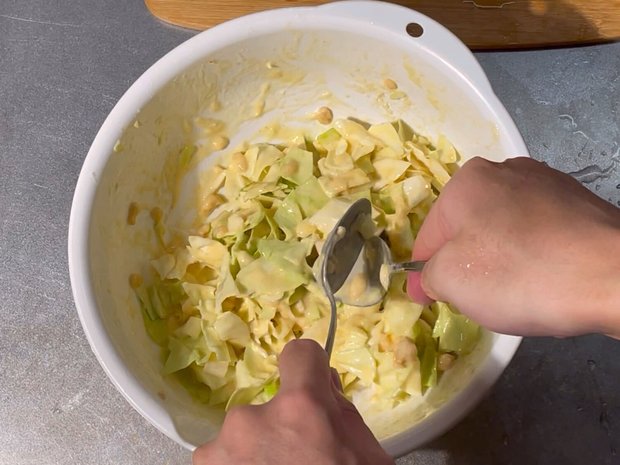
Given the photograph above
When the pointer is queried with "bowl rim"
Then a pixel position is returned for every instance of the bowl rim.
(121, 116)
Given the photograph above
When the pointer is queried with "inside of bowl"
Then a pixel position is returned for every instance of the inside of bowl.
(265, 88)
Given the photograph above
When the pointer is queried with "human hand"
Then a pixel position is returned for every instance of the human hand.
(522, 249)
(308, 422)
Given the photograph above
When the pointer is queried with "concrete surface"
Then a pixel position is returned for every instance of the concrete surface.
(63, 65)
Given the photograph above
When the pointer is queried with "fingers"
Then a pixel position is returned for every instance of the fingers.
(415, 290)
(441, 225)
(445, 274)
(208, 454)
(451, 209)
(240, 427)
(304, 365)
(433, 234)
(336, 380)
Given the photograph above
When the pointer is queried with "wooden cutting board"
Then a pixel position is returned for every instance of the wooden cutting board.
(481, 24)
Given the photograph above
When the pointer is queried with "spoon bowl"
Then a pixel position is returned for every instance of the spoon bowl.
(357, 264)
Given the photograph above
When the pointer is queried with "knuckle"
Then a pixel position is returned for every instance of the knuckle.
(481, 167)
(302, 406)
(239, 417)
(303, 399)
(202, 455)
(479, 162)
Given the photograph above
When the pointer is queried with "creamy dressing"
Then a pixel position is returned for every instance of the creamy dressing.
(384, 276)
(357, 289)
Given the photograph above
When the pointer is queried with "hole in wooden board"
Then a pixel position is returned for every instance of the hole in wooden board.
(414, 30)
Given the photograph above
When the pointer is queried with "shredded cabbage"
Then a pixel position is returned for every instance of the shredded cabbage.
(224, 301)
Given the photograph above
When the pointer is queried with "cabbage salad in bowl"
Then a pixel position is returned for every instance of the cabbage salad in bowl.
(222, 299)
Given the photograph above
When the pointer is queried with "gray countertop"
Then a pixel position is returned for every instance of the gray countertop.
(62, 68)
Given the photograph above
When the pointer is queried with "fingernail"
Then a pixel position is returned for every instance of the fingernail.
(415, 290)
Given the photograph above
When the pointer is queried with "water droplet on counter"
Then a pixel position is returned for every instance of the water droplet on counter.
(618, 186)
(597, 187)
(591, 363)
(593, 173)
(570, 120)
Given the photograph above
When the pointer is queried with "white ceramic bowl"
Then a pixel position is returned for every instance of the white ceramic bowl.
(336, 55)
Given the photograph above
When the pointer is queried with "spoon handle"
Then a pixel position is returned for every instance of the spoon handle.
(408, 266)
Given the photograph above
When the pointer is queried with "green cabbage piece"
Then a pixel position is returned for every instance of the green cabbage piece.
(294, 252)
(160, 299)
(422, 334)
(182, 353)
(326, 218)
(428, 362)
(288, 216)
(270, 276)
(156, 329)
(271, 388)
(328, 139)
(310, 197)
(456, 333)
(230, 327)
(357, 361)
(297, 165)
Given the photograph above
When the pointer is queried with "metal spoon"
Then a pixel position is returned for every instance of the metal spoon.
(352, 253)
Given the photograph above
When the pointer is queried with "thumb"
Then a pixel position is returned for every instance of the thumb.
(415, 290)
(433, 235)
(440, 278)
(305, 365)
